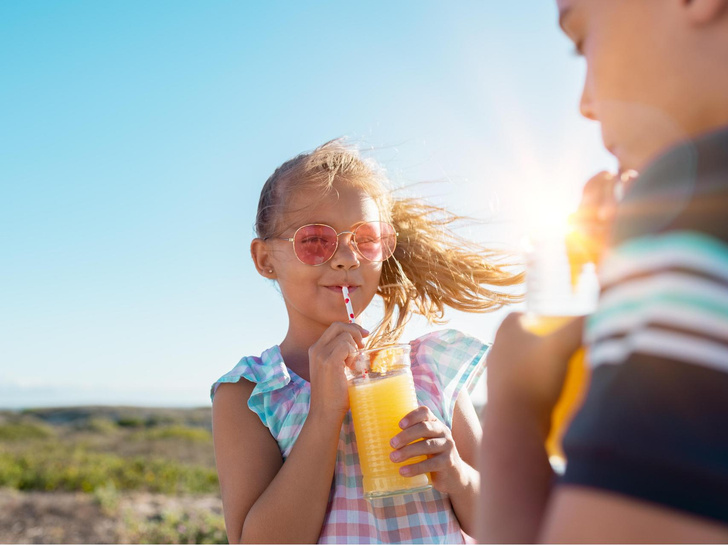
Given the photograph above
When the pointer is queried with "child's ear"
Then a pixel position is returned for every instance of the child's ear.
(701, 12)
(261, 258)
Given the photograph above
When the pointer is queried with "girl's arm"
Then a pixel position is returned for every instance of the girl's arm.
(452, 455)
(467, 434)
(265, 499)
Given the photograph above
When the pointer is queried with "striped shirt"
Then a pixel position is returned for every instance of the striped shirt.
(442, 363)
(655, 421)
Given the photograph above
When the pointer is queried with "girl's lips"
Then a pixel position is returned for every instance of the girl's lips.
(338, 288)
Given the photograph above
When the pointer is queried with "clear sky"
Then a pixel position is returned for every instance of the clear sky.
(135, 137)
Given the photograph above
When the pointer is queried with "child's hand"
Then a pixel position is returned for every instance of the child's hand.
(593, 220)
(433, 439)
(327, 358)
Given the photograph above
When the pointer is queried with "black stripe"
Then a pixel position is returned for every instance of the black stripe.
(655, 429)
(686, 188)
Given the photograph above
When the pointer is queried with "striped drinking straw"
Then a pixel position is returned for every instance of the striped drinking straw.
(347, 302)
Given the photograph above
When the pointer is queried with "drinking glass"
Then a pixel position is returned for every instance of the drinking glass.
(381, 393)
(560, 286)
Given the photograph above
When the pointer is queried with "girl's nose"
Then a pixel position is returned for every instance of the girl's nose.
(345, 256)
(586, 106)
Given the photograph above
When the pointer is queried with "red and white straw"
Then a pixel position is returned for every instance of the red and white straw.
(347, 302)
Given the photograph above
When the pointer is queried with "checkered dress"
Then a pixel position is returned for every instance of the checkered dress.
(443, 363)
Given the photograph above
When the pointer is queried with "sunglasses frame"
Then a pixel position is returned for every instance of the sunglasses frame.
(352, 241)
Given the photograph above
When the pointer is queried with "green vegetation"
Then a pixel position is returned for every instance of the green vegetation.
(133, 451)
(18, 431)
(112, 453)
(178, 527)
(76, 469)
(131, 422)
(107, 497)
(185, 433)
(102, 426)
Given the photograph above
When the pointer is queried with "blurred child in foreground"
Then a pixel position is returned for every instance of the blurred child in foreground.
(647, 455)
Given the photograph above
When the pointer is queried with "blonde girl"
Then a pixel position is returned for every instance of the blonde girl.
(284, 443)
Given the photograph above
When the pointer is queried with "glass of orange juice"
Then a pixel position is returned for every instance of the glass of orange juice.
(560, 286)
(381, 393)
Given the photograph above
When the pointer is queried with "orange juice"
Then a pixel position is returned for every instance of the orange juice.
(575, 384)
(561, 284)
(379, 400)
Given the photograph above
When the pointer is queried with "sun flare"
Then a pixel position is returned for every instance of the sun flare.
(545, 214)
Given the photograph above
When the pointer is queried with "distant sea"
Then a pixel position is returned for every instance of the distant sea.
(18, 397)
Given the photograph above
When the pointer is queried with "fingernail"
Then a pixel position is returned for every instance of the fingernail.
(628, 175)
(394, 443)
(403, 423)
(394, 456)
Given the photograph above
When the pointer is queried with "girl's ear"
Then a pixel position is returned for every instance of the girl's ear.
(262, 259)
(701, 12)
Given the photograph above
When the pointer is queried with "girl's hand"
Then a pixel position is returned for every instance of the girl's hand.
(327, 358)
(423, 434)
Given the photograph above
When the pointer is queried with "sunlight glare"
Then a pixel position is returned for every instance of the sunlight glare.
(546, 213)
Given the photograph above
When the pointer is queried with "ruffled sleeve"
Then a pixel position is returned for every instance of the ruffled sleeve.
(269, 374)
(443, 363)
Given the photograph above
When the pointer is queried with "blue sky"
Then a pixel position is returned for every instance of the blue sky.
(136, 136)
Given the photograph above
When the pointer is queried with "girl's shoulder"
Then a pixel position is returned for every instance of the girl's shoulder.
(447, 348)
(444, 363)
(267, 372)
(279, 397)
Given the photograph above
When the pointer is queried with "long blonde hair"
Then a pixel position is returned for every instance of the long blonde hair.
(432, 267)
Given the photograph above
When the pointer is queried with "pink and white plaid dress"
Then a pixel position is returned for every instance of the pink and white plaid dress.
(443, 363)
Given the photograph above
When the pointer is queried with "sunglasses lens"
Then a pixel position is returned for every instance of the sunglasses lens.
(315, 244)
(375, 240)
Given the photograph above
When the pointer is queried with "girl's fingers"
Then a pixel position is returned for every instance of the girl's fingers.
(342, 348)
(355, 331)
(420, 414)
(339, 335)
(422, 430)
(426, 447)
(431, 465)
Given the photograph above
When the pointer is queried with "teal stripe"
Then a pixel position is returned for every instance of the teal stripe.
(678, 242)
(680, 300)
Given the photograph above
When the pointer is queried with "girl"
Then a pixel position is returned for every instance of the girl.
(284, 442)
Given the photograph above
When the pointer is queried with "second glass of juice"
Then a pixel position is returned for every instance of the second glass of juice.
(381, 393)
(559, 287)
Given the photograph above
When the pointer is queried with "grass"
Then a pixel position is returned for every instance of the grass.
(174, 432)
(155, 455)
(68, 468)
(108, 452)
(178, 527)
(20, 431)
